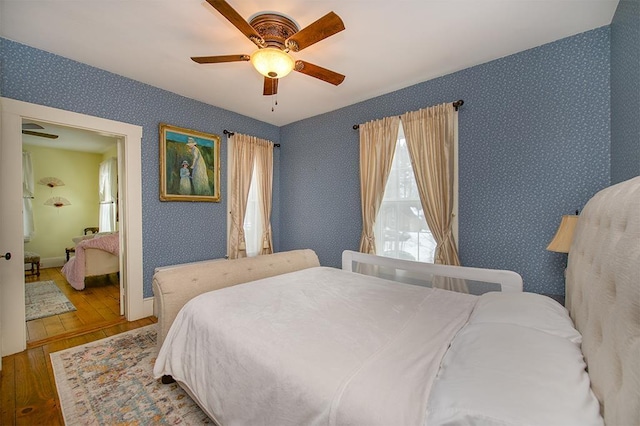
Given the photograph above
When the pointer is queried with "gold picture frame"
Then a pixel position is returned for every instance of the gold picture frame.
(189, 165)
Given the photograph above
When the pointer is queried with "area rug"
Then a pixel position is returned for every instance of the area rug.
(44, 299)
(110, 381)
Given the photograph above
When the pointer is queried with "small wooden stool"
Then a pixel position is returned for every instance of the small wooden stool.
(68, 251)
(34, 259)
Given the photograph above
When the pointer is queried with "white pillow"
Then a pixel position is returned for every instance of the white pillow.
(528, 310)
(502, 374)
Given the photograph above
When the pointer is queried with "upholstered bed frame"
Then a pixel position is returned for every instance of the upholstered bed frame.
(603, 298)
(175, 286)
(100, 262)
(603, 293)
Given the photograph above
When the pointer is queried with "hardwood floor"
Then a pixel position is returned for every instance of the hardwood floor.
(98, 305)
(28, 393)
(27, 384)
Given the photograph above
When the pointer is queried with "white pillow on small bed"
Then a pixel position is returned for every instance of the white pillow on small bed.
(503, 374)
(528, 310)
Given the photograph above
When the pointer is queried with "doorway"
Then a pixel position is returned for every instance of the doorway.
(78, 169)
(12, 294)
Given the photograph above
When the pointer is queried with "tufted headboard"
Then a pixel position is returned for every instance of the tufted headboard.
(603, 298)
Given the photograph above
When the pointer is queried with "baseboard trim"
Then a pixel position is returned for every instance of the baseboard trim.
(147, 307)
(52, 262)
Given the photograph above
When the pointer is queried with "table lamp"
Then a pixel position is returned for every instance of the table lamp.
(561, 242)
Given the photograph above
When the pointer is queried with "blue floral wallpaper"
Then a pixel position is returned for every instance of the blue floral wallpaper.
(625, 91)
(173, 232)
(534, 141)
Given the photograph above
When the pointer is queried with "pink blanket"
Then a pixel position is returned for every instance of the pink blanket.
(74, 270)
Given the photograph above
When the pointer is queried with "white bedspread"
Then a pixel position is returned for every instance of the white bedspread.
(317, 346)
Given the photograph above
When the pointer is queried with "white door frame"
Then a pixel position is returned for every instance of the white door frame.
(12, 309)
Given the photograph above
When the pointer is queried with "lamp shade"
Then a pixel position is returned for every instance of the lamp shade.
(272, 62)
(561, 242)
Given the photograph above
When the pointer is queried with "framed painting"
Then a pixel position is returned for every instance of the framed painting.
(189, 165)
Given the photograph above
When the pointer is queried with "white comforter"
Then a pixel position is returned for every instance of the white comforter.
(317, 346)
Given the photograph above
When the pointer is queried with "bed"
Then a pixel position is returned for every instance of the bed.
(95, 255)
(283, 340)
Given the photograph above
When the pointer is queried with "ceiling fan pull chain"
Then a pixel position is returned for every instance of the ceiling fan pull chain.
(274, 97)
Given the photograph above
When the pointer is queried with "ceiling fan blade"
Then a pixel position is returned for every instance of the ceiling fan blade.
(219, 59)
(31, 126)
(238, 21)
(319, 72)
(44, 135)
(270, 86)
(324, 27)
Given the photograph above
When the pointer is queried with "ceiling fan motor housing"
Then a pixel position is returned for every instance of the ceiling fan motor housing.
(274, 29)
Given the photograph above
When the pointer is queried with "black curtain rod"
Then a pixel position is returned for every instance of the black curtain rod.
(228, 133)
(457, 104)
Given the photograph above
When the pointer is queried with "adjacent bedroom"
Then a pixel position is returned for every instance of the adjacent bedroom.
(71, 241)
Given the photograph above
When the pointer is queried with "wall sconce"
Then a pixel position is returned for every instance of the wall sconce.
(561, 242)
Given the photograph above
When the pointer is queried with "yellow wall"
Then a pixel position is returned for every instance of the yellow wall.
(56, 226)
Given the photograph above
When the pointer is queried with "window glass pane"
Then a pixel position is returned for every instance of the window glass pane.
(401, 229)
(253, 219)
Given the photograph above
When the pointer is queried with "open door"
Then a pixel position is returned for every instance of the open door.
(12, 306)
(12, 314)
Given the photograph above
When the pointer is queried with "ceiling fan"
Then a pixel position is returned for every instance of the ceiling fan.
(276, 36)
(28, 129)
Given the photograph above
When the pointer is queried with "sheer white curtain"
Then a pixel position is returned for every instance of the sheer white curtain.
(253, 218)
(108, 177)
(27, 196)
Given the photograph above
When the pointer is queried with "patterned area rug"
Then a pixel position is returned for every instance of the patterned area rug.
(110, 381)
(44, 299)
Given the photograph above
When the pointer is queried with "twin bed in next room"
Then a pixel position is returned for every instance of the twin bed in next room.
(279, 339)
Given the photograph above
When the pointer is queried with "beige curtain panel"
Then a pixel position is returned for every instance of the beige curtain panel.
(241, 174)
(264, 166)
(377, 146)
(430, 138)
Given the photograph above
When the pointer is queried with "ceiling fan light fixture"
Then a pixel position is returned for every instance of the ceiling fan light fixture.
(272, 62)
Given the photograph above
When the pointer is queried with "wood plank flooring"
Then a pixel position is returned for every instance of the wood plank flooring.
(97, 305)
(27, 384)
(28, 394)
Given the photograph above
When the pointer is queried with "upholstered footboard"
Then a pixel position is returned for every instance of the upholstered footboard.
(175, 286)
(100, 262)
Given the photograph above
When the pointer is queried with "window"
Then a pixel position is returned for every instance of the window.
(401, 230)
(253, 218)
(108, 192)
(250, 180)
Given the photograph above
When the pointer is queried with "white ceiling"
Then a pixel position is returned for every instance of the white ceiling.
(69, 138)
(387, 45)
